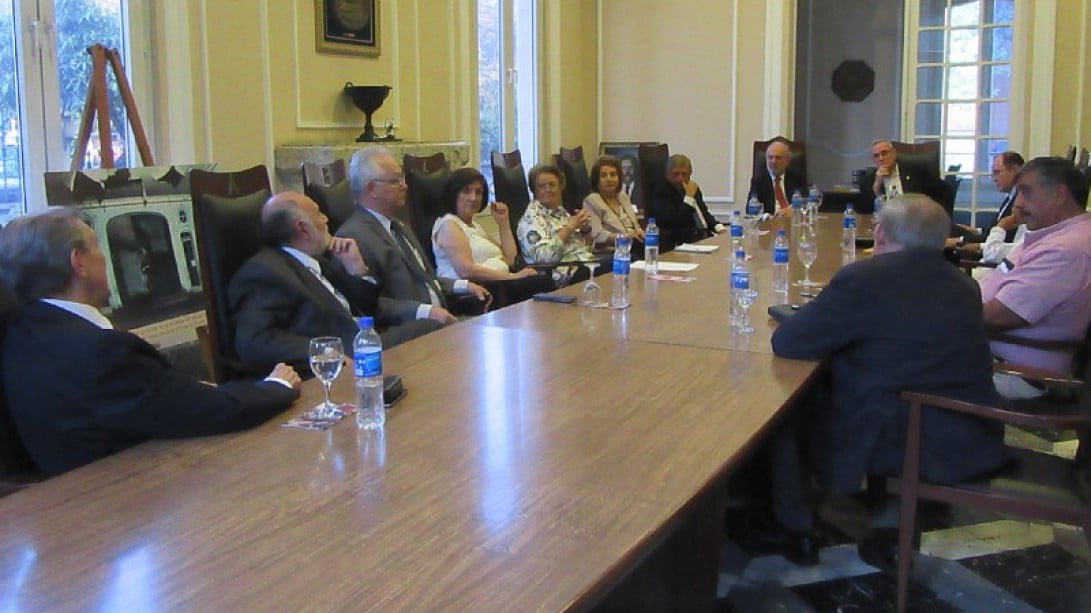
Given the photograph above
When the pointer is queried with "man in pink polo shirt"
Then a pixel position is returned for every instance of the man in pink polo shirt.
(1043, 289)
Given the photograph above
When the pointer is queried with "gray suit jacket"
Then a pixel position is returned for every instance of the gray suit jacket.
(399, 274)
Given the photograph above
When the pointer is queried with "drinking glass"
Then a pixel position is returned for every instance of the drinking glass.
(744, 299)
(327, 357)
(807, 248)
(592, 293)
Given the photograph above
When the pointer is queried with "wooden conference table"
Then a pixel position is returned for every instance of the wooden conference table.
(545, 454)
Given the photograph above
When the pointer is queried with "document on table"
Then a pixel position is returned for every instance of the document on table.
(667, 266)
(688, 248)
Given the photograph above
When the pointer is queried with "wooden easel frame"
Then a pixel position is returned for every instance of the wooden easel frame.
(98, 103)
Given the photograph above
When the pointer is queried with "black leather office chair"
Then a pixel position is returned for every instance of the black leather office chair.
(424, 179)
(797, 165)
(227, 212)
(328, 186)
(510, 184)
(577, 184)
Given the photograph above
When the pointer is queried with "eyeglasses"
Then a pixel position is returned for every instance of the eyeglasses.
(548, 187)
(399, 180)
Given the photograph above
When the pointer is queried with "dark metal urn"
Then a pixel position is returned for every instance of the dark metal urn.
(367, 98)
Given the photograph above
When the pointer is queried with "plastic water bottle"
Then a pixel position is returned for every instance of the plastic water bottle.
(622, 246)
(753, 207)
(848, 229)
(651, 248)
(367, 353)
(781, 255)
(814, 200)
(737, 230)
(797, 209)
(740, 282)
(879, 202)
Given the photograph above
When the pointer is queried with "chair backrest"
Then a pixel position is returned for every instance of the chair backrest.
(924, 154)
(328, 185)
(577, 184)
(510, 182)
(653, 169)
(429, 163)
(227, 212)
(1070, 153)
(14, 459)
(796, 165)
(1085, 156)
(424, 198)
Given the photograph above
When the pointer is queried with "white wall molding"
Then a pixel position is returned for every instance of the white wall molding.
(1039, 81)
(780, 52)
(175, 142)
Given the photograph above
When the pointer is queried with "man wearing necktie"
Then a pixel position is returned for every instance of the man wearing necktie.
(395, 258)
(775, 185)
(679, 207)
(1005, 166)
(892, 178)
(304, 284)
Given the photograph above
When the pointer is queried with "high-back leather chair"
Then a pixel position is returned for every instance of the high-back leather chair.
(653, 168)
(510, 183)
(227, 212)
(425, 178)
(1085, 157)
(1070, 154)
(577, 184)
(328, 186)
(924, 154)
(16, 467)
(797, 165)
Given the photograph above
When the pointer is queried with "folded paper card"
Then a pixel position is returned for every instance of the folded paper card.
(667, 266)
(688, 248)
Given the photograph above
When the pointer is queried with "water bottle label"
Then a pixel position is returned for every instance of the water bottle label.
(368, 364)
(850, 222)
(621, 266)
(736, 230)
(753, 209)
(651, 240)
(740, 280)
(780, 256)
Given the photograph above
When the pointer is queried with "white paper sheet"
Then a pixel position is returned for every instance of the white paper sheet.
(667, 266)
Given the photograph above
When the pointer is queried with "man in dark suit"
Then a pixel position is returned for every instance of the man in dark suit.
(1005, 166)
(291, 291)
(882, 330)
(775, 186)
(77, 389)
(393, 255)
(679, 207)
(891, 178)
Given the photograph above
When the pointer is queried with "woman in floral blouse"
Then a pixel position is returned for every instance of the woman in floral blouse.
(547, 233)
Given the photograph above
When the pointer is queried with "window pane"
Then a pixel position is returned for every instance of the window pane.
(964, 46)
(997, 45)
(81, 24)
(996, 81)
(966, 14)
(930, 83)
(488, 76)
(11, 153)
(961, 119)
(929, 118)
(930, 47)
(988, 197)
(999, 11)
(962, 82)
(932, 12)
(958, 152)
(991, 147)
(994, 118)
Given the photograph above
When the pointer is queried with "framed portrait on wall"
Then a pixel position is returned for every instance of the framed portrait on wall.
(347, 26)
(630, 167)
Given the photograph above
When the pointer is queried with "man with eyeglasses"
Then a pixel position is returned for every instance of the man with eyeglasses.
(394, 257)
(891, 178)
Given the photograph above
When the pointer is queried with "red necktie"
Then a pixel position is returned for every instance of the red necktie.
(778, 190)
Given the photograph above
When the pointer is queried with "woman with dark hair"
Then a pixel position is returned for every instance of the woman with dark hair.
(610, 208)
(464, 250)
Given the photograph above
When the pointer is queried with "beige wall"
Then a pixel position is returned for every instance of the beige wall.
(254, 79)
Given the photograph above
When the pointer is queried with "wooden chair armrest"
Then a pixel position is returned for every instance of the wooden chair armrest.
(1047, 345)
(1048, 377)
(1044, 414)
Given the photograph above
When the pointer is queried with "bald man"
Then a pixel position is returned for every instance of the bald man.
(306, 283)
(775, 186)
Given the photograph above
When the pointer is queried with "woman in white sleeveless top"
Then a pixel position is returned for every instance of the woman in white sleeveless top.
(464, 250)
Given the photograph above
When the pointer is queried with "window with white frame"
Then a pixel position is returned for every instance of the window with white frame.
(960, 92)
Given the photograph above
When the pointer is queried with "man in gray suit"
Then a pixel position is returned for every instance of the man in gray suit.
(393, 254)
(306, 283)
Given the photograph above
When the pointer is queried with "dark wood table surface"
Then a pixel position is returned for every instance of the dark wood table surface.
(543, 454)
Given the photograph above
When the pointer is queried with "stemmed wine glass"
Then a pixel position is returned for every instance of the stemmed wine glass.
(592, 293)
(807, 248)
(744, 299)
(327, 357)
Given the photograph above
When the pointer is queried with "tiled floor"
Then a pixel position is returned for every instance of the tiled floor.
(969, 561)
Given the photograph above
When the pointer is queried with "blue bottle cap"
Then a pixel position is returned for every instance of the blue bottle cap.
(365, 322)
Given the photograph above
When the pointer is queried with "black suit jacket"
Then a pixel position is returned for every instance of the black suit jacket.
(675, 218)
(78, 393)
(761, 185)
(897, 321)
(278, 306)
(915, 180)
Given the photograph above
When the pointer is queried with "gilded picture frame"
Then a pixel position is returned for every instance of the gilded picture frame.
(347, 27)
